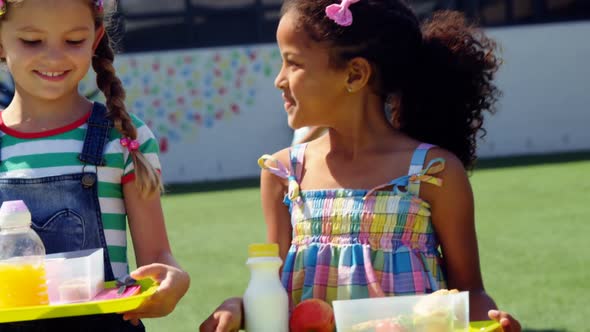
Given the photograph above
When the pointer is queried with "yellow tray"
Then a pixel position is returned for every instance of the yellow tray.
(148, 288)
(485, 326)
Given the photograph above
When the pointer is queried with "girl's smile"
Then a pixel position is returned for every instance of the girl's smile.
(288, 102)
(52, 76)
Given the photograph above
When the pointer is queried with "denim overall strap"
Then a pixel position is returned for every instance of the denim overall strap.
(97, 135)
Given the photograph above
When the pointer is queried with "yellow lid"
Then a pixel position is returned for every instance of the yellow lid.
(263, 250)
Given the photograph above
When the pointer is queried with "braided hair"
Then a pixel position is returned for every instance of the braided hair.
(147, 178)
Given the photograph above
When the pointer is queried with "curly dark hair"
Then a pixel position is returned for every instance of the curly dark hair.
(442, 69)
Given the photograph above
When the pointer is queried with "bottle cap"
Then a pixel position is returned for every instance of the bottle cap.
(14, 214)
(263, 250)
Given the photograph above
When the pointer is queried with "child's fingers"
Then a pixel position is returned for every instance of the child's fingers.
(508, 323)
(223, 325)
(157, 272)
(155, 306)
(494, 314)
(226, 318)
(209, 325)
(148, 309)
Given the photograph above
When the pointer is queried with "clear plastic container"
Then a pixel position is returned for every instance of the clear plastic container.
(75, 276)
(433, 313)
(22, 253)
(266, 305)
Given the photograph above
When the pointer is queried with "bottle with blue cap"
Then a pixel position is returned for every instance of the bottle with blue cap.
(22, 257)
(266, 305)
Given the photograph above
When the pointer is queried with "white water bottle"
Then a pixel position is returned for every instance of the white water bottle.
(266, 305)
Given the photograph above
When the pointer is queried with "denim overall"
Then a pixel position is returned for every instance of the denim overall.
(66, 214)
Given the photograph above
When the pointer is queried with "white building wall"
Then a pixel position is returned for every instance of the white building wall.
(545, 81)
(215, 111)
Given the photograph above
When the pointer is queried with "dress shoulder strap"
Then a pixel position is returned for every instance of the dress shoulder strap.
(291, 172)
(297, 156)
(416, 166)
(416, 174)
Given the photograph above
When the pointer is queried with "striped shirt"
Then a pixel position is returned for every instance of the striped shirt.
(55, 152)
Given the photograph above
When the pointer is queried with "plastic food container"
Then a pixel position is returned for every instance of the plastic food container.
(75, 276)
(419, 313)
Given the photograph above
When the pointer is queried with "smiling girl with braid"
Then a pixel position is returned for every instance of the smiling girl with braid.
(84, 169)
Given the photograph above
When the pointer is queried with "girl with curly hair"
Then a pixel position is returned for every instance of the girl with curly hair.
(377, 207)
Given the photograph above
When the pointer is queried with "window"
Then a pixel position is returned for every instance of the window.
(561, 10)
(510, 12)
(178, 24)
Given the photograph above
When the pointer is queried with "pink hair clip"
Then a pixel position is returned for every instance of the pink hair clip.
(130, 144)
(98, 3)
(3, 6)
(340, 13)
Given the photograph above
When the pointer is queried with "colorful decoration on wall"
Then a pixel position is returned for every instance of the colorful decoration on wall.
(180, 93)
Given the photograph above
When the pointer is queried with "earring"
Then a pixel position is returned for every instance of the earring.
(349, 88)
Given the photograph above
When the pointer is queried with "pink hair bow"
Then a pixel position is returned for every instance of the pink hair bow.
(99, 5)
(131, 144)
(3, 6)
(340, 13)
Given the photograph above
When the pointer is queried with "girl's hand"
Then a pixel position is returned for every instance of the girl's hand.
(173, 284)
(226, 318)
(508, 323)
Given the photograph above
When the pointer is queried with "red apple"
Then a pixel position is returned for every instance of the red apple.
(312, 315)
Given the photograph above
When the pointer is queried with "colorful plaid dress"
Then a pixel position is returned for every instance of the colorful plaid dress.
(351, 243)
